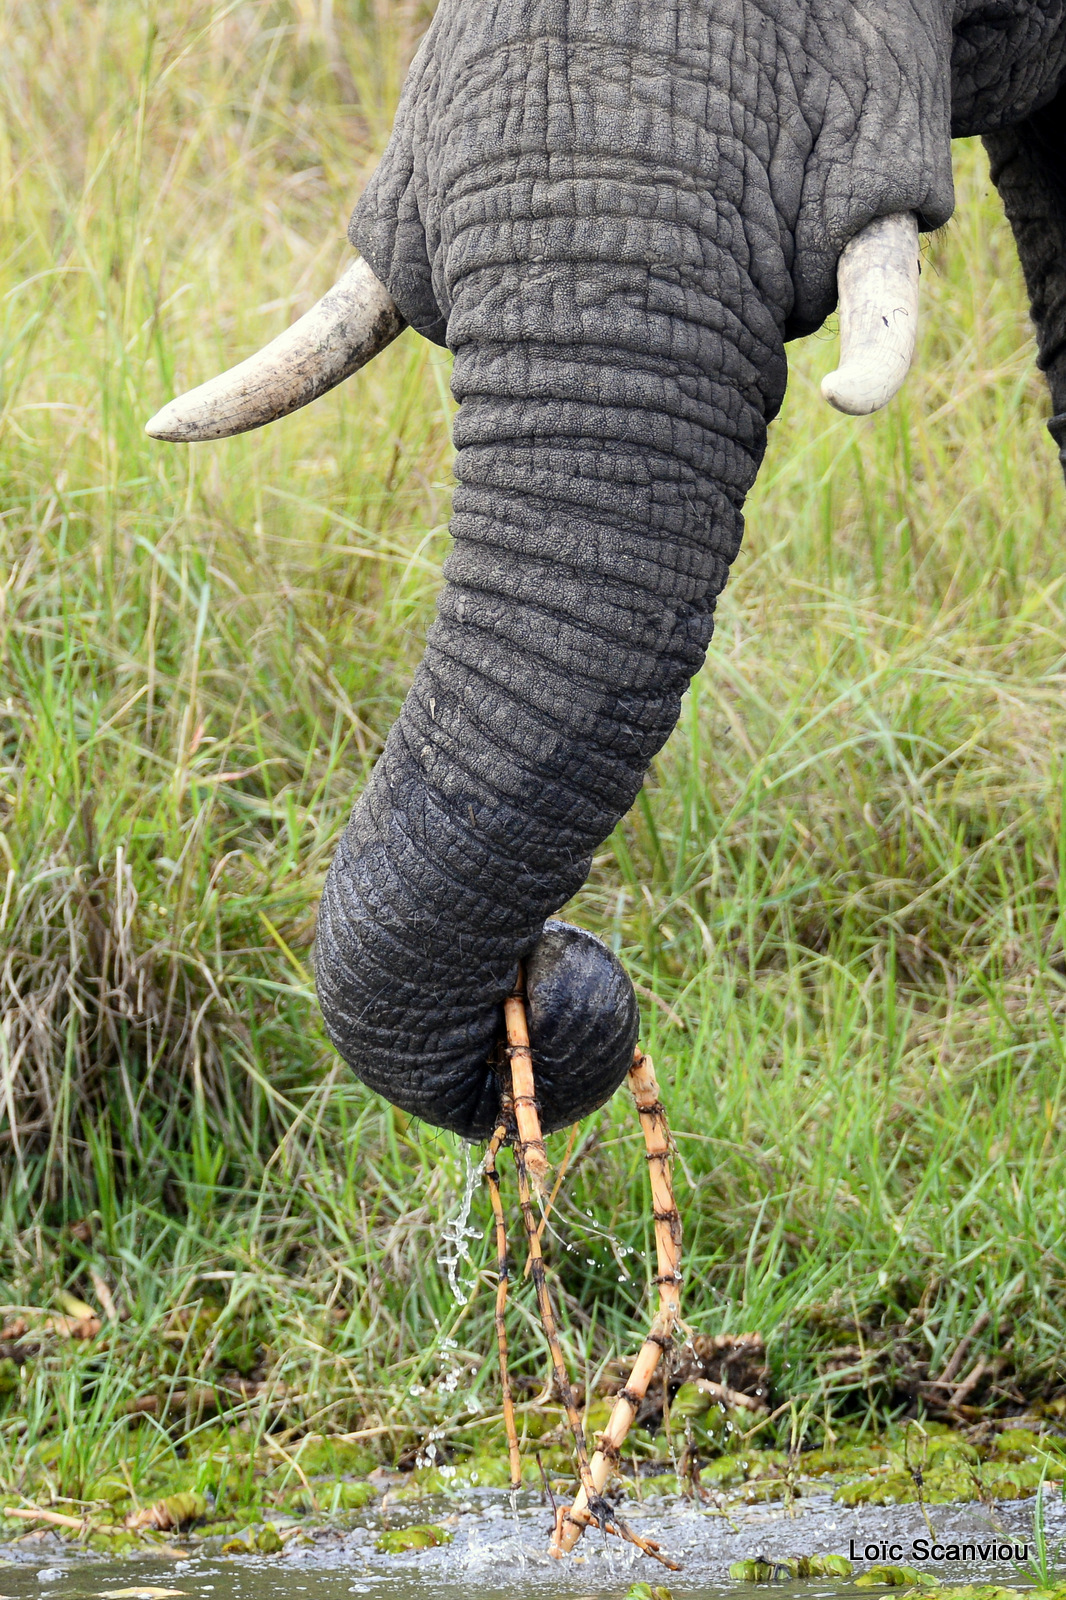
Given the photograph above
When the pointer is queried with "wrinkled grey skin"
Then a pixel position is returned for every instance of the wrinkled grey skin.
(615, 213)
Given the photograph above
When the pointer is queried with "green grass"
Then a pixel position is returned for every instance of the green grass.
(841, 892)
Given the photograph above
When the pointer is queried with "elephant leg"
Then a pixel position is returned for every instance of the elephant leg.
(1029, 170)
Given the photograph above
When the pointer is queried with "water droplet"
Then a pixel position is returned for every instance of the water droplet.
(455, 1247)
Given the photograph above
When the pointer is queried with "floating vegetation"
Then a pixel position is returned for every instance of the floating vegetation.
(141, 1592)
(929, 1589)
(265, 1541)
(1011, 1467)
(226, 1490)
(760, 1570)
(423, 1536)
(888, 1577)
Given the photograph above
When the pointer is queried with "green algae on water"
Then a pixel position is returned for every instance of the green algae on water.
(423, 1536)
(895, 1578)
(759, 1570)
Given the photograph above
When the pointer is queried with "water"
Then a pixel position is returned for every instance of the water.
(496, 1555)
(455, 1238)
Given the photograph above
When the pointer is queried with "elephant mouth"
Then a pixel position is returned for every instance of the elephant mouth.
(357, 319)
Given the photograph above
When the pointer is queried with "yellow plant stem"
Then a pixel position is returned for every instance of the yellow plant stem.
(571, 1524)
(530, 1143)
(519, 1097)
(503, 1275)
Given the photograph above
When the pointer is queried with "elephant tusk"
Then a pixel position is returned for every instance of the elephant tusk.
(350, 325)
(877, 277)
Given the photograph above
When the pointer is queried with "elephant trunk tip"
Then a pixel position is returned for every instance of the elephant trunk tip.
(579, 1007)
(583, 1023)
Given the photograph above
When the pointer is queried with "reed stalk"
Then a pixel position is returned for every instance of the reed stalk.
(570, 1524)
(529, 1146)
(527, 1114)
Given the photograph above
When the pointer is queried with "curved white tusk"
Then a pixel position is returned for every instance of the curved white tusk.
(877, 276)
(348, 326)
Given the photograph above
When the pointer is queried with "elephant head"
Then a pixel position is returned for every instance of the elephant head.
(615, 213)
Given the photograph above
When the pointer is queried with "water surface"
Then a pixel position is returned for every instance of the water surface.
(497, 1553)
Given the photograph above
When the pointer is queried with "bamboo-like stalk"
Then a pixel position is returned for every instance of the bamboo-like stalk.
(530, 1159)
(596, 1508)
(503, 1274)
(571, 1524)
(530, 1138)
(548, 1205)
(547, 1317)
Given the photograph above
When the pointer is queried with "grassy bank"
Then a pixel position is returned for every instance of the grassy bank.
(841, 892)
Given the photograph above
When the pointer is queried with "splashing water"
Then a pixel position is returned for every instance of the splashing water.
(455, 1246)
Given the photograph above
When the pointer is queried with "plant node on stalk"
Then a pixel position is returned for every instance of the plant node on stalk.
(520, 1125)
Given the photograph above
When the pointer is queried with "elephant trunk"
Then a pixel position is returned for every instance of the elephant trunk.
(608, 431)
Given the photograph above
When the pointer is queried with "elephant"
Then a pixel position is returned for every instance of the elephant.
(616, 214)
